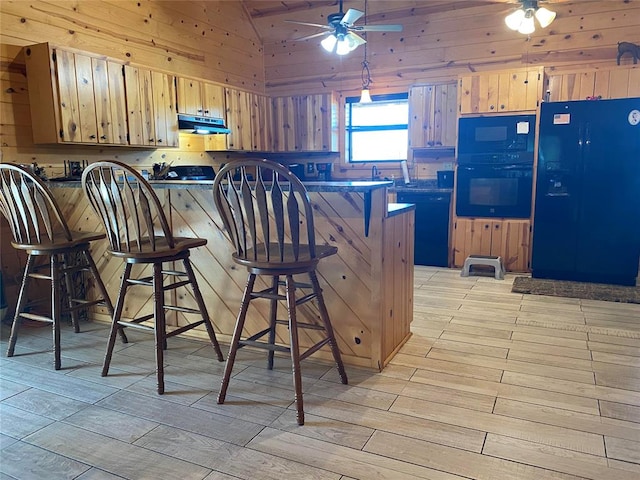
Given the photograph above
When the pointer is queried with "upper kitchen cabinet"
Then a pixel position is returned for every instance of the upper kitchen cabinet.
(605, 83)
(433, 115)
(305, 123)
(239, 107)
(501, 91)
(75, 97)
(151, 107)
(200, 98)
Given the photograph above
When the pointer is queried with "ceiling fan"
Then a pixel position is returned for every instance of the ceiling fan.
(340, 31)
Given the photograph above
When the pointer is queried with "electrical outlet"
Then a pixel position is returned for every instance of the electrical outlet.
(447, 166)
(310, 167)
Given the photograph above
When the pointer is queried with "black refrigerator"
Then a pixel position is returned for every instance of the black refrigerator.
(586, 225)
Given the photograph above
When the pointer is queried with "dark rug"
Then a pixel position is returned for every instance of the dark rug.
(564, 288)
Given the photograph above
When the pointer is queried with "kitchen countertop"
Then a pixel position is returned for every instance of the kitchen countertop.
(420, 186)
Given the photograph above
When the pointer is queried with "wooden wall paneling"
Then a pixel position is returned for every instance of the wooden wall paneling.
(449, 114)
(261, 123)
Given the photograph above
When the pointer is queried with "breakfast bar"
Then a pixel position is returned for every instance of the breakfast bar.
(368, 285)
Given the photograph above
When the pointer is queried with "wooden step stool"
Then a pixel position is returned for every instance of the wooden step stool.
(495, 262)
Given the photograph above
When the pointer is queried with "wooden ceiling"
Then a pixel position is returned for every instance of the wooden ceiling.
(269, 16)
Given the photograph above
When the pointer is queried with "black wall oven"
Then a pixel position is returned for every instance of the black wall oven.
(485, 190)
(495, 166)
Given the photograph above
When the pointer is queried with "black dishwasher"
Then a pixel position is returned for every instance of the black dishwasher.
(432, 226)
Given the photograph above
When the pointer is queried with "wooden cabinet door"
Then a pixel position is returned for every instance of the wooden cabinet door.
(471, 236)
(164, 110)
(261, 123)
(433, 115)
(189, 94)
(514, 244)
(284, 119)
(213, 100)
(85, 88)
(619, 82)
(508, 239)
(505, 91)
(110, 104)
(68, 102)
(238, 110)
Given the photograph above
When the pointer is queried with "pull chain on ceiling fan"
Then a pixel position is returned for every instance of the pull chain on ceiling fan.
(340, 31)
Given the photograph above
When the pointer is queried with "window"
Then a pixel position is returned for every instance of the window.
(377, 131)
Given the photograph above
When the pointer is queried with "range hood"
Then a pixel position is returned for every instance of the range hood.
(201, 125)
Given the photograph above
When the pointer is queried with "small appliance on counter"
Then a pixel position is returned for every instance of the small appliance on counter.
(445, 178)
(324, 171)
(297, 169)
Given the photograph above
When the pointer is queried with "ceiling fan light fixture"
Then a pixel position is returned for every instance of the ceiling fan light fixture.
(527, 26)
(522, 19)
(545, 16)
(329, 43)
(514, 19)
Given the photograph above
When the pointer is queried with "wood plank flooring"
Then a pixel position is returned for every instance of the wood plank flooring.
(492, 385)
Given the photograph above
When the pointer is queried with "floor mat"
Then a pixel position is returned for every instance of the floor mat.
(564, 288)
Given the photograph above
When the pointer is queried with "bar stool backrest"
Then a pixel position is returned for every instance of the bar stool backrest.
(33, 214)
(128, 207)
(267, 206)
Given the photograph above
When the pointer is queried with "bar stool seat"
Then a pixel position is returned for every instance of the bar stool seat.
(270, 223)
(139, 234)
(40, 230)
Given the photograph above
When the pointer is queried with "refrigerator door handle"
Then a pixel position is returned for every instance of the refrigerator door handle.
(587, 133)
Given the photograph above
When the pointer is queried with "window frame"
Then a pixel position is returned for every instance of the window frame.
(349, 129)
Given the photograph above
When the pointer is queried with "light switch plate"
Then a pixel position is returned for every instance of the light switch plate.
(447, 166)
(310, 167)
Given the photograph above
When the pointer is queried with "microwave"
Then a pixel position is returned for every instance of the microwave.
(506, 139)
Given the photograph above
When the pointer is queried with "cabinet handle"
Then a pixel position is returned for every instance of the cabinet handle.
(92, 136)
(199, 110)
(159, 140)
(501, 107)
(492, 107)
(206, 111)
(103, 137)
(151, 140)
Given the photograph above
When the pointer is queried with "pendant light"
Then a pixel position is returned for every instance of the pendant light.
(365, 95)
(522, 19)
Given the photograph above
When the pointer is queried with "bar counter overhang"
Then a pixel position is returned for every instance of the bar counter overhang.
(368, 285)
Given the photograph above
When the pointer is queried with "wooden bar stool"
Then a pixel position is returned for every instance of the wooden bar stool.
(263, 220)
(139, 233)
(39, 229)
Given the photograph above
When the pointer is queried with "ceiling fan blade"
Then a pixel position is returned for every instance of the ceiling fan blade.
(357, 39)
(309, 24)
(308, 37)
(351, 16)
(378, 28)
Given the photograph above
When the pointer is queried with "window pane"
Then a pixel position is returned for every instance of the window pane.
(383, 113)
(379, 145)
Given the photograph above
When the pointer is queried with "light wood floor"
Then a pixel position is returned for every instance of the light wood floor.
(492, 385)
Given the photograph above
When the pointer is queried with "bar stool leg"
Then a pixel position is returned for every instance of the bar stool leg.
(273, 313)
(159, 324)
(295, 347)
(203, 308)
(70, 292)
(56, 307)
(22, 299)
(117, 313)
(235, 340)
(324, 315)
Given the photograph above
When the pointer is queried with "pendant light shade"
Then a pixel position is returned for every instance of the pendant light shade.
(365, 96)
(522, 19)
